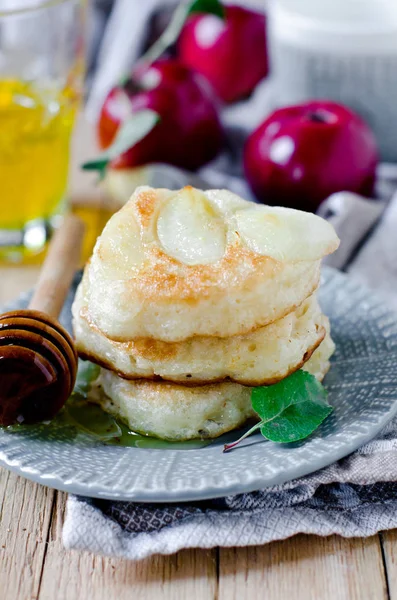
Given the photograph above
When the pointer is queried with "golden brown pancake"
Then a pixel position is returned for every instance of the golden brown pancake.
(177, 412)
(172, 265)
(263, 356)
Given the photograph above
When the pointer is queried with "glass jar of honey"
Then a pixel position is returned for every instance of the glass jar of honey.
(41, 79)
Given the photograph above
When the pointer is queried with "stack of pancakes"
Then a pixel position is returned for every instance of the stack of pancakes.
(191, 298)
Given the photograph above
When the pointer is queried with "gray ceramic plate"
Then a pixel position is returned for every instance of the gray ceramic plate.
(362, 387)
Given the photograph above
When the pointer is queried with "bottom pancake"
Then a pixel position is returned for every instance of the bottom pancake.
(175, 412)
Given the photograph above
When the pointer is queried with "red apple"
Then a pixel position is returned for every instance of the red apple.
(301, 154)
(230, 53)
(189, 133)
(114, 111)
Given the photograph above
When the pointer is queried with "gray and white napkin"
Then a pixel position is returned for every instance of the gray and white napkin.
(355, 497)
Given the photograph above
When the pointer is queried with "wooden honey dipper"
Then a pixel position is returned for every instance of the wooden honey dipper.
(38, 360)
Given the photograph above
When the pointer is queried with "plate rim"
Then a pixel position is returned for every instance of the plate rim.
(209, 493)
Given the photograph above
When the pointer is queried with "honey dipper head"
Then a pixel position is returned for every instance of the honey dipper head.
(38, 366)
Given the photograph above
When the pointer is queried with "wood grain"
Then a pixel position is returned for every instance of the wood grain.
(189, 575)
(389, 543)
(25, 516)
(304, 568)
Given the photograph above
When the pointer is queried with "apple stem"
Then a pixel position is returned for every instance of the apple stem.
(228, 447)
(316, 117)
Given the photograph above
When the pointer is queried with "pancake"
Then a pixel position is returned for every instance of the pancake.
(175, 265)
(177, 412)
(318, 364)
(263, 356)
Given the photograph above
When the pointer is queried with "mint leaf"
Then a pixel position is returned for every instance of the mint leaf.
(296, 423)
(290, 409)
(132, 131)
(175, 26)
(298, 387)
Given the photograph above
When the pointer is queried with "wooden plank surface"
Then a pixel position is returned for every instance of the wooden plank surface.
(304, 568)
(25, 517)
(389, 544)
(81, 576)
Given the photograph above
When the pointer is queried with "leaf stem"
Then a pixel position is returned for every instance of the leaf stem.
(167, 38)
(132, 131)
(228, 447)
(175, 26)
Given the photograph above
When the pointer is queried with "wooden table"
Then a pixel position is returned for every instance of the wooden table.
(34, 565)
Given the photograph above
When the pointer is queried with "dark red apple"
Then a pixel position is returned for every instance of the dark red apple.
(301, 154)
(231, 53)
(189, 133)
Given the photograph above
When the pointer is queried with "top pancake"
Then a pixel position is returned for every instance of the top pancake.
(171, 265)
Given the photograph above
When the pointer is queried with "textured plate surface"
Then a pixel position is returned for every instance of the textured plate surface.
(362, 388)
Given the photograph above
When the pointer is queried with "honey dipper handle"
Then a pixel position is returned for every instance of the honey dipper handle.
(59, 266)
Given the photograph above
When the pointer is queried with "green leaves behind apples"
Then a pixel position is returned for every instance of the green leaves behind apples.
(290, 409)
(175, 26)
(139, 124)
(132, 131)
(213, 7)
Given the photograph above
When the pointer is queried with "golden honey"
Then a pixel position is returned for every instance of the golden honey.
(35, 129)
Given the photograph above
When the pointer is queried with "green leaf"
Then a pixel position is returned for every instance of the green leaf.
(296, 423)
(132, 131)
(96, 164)
(290, 409)
(213, 7)
(298, 387)
(175, 26)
